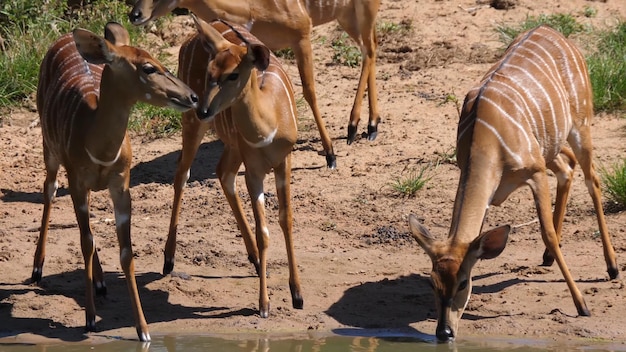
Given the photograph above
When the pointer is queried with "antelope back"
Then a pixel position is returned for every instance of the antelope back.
(531, 101)
(199, 70)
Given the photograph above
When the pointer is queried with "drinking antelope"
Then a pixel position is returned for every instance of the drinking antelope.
(283, 24)
(532, 111)
(87, 87)
(247, 99)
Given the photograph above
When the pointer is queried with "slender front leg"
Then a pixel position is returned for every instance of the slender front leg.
(304, 58)
(563, 167)
(254, 183)
(49, 192)
(285, 215)
(122, 206)
(80, 198)
(227, 169)
(541, 193)
(193, 131)
(584, 156)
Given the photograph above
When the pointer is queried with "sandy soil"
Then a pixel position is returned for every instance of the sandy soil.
(359, 268)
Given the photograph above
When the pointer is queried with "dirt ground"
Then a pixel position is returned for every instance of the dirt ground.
(359, 268)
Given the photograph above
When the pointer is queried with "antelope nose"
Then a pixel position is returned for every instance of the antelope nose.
(134, 16)
(194, 99)
(445, 334)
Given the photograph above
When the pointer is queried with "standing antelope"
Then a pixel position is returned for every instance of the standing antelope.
(514, 125)
(247, 99)
(87, 87)
(281, 24)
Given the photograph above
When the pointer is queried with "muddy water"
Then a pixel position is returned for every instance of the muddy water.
(366, 342)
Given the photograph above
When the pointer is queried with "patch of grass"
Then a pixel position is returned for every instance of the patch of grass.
(590, 11)
(614, 182)
(385, 27)
(286, 54)
(607, 70)
(154, 121)
(29, 27)
(344, 53)
(409, 184)
(564, 23)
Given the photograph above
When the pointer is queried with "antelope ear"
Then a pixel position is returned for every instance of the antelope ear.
(421, 234)
(260, 56)
(116, 34)
(93, 48)
(490, 244)
(212, 39)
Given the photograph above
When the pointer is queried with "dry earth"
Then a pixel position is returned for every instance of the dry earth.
(358, 266)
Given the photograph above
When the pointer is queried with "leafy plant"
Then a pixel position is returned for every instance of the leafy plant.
(607, 70)
(156, 121)
(415, 180)
(345, 53)
(614, 182)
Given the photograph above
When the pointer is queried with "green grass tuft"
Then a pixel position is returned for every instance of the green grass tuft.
(614, 182)
(414, 181)
(607, 70)
(564, 23)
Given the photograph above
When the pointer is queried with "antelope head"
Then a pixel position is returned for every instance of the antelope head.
(145, 11)
(451, 277)
(229, 70)
(130, 64)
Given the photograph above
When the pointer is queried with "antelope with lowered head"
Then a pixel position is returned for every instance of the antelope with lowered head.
(247, 99)
(283, 24)
(531, 112)
(87, 87)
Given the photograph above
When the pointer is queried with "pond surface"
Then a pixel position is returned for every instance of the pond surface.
(367, 341)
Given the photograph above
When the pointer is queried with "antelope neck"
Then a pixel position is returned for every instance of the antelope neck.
(256, 123)
(103, 139)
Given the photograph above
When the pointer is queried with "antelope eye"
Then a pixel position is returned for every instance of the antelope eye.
(148, 69)
(463, 285)
(232, 77)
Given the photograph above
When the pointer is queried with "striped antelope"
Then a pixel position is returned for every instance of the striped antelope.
(283, 24)
(247, 99)
(87, 87)
(514, 125)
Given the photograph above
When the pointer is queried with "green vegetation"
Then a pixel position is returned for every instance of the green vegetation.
(344, 53)
(415, 180)
(614, 182)
(607, 69)
(564, 23)
(29, 27)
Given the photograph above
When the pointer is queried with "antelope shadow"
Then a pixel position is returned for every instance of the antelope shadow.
(114, 309)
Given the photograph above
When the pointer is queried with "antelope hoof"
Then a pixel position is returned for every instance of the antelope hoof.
(101, 288)
(351, 134)
(613, 273)
(90, 326)
(444, 334)
(265, 312)
(168, 266)
(331, 161)
(144, 336)
(257, 266)
(36, 276)
(372, 132)
(296, 300)
(548, 259)
(583, 311)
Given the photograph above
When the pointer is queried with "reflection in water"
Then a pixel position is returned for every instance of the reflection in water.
(366, 342)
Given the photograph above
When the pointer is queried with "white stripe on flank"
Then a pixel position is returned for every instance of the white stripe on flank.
(502, 142)
(511, 119)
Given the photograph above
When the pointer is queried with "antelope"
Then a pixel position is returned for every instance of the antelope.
(87, 87)
(531, 112)
(287, 24)
(247, 99)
